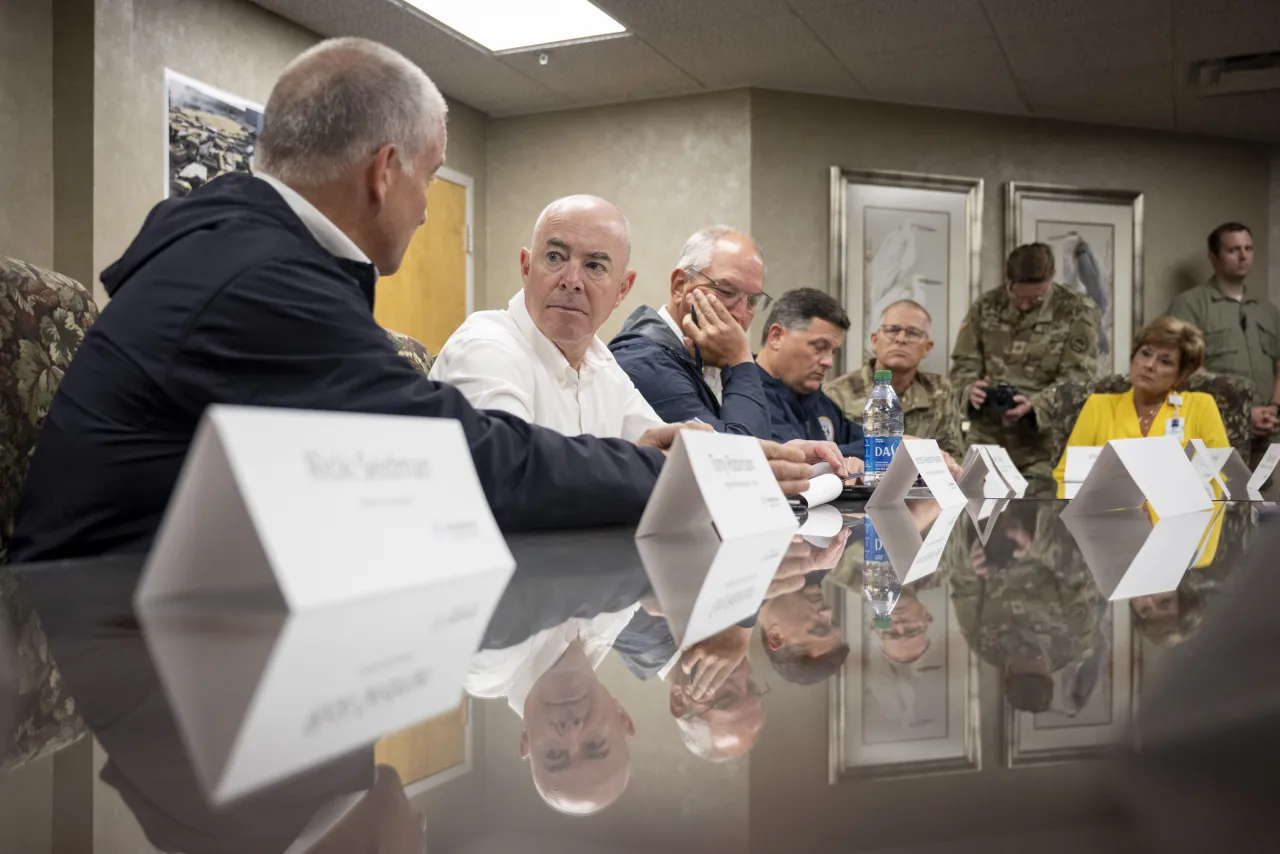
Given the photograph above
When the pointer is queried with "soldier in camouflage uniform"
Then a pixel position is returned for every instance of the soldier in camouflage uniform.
(1030, 334)
(1026, 602)
(43, 318)
(929, 405)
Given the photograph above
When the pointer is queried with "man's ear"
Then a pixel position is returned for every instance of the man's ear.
(678, 279)
(526, 264)
(625, 719)
(773, 638)
(378, 173)
(628, 281)
(776, 333)
(678, 702)
(524, 743)
(928, 347)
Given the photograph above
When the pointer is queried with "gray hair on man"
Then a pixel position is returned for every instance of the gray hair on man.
(910, 303)
(339, 102)
(700, 248)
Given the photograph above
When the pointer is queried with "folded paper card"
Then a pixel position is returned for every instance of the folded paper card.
(1080, 460)
(1009, 471)
(1261, 485)
(1207, 465)
(922, 458)
(259, 697)
(913, 557)
(984, 512)
(322, 507)
(980, 478)
(1131, 472)
(1128, 556)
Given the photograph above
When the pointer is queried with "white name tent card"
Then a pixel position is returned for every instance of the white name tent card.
(322, 507)
(1258, 488)
(706, 585)
(923, 458)
(980, 477)
(984, 512)
(714, 532)
(1005, 465)
(1080, 460)
(1233, 472)
(258, 697)
(913, 557)
(1128, 556)
(1131, 472)
(1207, 465)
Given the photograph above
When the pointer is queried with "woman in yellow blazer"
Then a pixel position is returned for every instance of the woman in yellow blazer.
(1167, 352)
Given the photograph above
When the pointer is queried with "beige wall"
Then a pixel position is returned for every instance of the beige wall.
(26, 131)
(672, 166)
(1191, 184)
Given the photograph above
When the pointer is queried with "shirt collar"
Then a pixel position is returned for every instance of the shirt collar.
(597, 355)
(1215, 292)
(917, 396)
(328, 235)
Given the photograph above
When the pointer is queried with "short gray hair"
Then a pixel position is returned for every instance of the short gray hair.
(700, 248)
(911, 304)
(339, 102)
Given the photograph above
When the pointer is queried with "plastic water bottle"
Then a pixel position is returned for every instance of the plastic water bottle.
(882, 423)
(879, 582)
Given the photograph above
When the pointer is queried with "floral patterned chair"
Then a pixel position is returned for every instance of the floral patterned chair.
(1233, 394)
(412, 349)
(43, 319)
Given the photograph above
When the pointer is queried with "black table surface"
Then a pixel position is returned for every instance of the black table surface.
(1155, 709)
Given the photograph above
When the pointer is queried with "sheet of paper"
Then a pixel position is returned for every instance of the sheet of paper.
(1130, 472)
(1233, 472)
(822, 489)
(261, 697)
(322, 507)
(1266, 466)
(1080, 460)
(1205, 463)
(1009, 471)
(924, 458)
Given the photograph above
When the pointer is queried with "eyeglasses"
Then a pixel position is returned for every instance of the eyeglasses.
(894, 634)
(731, 296)
(913, 335)
(1025, 301)
(725, 700)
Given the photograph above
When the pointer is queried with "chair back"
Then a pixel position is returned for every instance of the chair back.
(43, 318)
(412, 350)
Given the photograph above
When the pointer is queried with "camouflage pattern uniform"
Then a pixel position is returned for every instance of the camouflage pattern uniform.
(929, 405)
(1030, 351)
(412, 350)
(1044, 600)
(43, 318)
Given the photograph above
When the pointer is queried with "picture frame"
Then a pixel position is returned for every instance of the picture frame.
(1099, 725)
(207, 132)
(904, 235)
(1097, 241)
(940, 733)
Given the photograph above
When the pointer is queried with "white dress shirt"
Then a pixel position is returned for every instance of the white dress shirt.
(710, 376)
(511, 672)
(328, 235)
(500, 360)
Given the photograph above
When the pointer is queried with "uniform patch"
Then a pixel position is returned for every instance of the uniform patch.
(1019, 347)
(1078, 344)
(828, 429)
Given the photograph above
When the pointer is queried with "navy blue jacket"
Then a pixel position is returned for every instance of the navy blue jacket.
(809, 416)
(225, 297)
(671, 380)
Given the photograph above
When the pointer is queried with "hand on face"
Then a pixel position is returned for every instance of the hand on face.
(719, 337)
(709, 662)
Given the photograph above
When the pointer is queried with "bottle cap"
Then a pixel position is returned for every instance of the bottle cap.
(884, 375)
(881, 622)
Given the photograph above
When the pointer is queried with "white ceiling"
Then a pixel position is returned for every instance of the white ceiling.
(1120, 62)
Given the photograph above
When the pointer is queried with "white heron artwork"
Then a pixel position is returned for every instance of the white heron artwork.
(1083, 268)
(891, 275)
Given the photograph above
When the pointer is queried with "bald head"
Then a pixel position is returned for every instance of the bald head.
(340, 101)
(575, 271)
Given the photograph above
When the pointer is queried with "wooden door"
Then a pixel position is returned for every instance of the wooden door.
(427, 298)
(427, 748)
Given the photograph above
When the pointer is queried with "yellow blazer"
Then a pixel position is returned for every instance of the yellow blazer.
(1114, 416)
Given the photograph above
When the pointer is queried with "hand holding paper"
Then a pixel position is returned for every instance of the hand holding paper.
(789, 466)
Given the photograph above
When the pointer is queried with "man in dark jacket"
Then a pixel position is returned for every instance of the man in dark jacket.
(691, 358)
(259, 291)
(803, 332)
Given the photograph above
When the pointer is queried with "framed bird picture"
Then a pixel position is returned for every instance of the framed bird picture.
(1096, 238)
(904, 236)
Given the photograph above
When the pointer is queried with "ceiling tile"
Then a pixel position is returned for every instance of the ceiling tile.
(776, 52)
(1216, 28)
(971, 75)
(664, 16)
(1141, 97)
(1081, 50)
(1015, 16)
(623, 69)
(883, 26)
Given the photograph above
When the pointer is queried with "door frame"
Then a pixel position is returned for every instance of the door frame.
(469, 183)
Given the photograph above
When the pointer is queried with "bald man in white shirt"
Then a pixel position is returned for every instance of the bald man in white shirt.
(539, 358)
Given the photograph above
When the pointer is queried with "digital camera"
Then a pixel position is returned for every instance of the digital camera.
(999, 398)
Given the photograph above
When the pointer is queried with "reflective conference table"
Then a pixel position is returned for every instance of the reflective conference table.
(1002, 678)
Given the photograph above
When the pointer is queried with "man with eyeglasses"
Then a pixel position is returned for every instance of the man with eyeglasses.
(901, 343)
(1030, 334)
(691, 359)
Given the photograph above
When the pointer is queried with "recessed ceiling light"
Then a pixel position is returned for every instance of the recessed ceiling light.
(509, 24)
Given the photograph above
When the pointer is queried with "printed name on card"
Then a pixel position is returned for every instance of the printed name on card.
(1257, 486)
(980, 477)
(322, 508)
(917, 458)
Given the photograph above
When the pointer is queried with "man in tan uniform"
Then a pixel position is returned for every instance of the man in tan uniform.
(929, 406)
(1241, 327)
(1030, 334)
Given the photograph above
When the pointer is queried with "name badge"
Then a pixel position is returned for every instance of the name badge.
(1175, 400)
(1174, 427)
